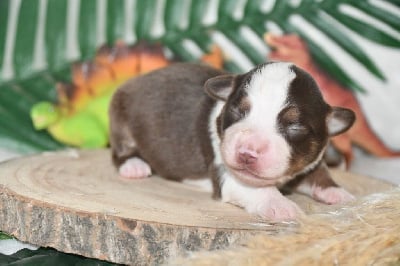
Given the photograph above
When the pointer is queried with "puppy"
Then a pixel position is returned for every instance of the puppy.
(249, 134)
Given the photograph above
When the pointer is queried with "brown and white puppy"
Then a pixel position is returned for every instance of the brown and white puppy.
(249, 134)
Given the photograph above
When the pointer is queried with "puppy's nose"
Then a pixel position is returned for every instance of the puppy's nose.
(247, 157)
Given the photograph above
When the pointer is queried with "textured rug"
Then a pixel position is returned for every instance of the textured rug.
(366, 232)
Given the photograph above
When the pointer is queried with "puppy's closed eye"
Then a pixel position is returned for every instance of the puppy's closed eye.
(297, 132)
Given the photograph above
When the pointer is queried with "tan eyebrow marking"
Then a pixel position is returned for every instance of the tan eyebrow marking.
(292, 114)
(244, 104)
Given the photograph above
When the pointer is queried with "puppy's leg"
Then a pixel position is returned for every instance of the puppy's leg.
(134, 168)
(126, 158)
(320, 186)
(124, 151)
(266, 202)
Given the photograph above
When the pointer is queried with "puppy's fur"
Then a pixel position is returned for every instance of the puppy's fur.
(250, 133)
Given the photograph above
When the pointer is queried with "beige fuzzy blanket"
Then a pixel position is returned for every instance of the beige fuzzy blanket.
(366, 232)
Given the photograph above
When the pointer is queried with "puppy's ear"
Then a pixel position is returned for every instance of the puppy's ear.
(219, 87)
(339, 120)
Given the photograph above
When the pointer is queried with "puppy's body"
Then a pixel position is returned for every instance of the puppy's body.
(250, 133)
(164, 124)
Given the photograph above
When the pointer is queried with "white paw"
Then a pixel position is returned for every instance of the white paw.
(134, 168)
(332, 195)
(278, 209)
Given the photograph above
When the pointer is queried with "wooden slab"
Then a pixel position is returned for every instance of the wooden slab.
(75, 202)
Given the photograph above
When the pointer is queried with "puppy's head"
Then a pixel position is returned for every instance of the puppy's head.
(274, 124)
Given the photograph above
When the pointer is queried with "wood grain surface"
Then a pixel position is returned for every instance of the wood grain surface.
(75, 202)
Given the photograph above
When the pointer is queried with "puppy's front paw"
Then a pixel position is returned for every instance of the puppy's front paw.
(278, 209)
(332, 195)
(135, 168)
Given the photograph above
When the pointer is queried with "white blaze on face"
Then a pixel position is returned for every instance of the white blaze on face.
(258, 132)
(212, 127)
(267, 92)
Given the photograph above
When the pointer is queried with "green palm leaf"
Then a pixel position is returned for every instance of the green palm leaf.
(47, 36)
